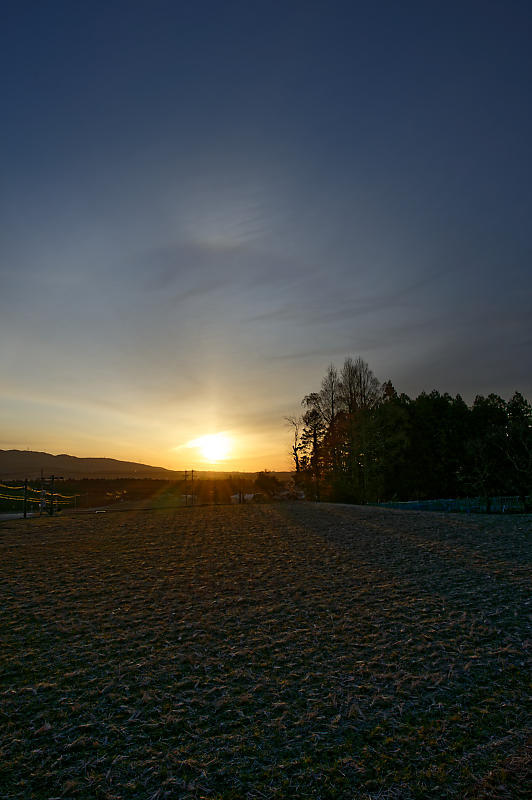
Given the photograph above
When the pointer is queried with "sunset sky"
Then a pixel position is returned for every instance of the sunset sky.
(203, 204)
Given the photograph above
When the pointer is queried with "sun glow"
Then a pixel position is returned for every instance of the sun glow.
(213, 447)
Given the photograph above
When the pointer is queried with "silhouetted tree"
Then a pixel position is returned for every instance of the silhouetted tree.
(360, 394)
(296, 425)
(518, 445)
(310, 449)
(486, 447)
(359, 388)
(267, 484)
(391, 433)
(360, 441)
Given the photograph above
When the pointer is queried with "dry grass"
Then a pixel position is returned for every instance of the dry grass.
(264, 652)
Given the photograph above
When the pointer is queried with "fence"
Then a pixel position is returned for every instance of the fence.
(482, 505)
(46, 501)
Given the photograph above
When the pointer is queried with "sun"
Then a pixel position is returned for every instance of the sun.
(213, 447)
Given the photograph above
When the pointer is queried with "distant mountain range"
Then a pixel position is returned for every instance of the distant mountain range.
(20, 464)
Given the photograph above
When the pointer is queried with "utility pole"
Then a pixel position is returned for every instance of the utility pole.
(192, 490)
(186, 495)
(52, 496)
(25, 497)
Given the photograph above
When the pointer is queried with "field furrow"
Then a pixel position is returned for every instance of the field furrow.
(273, 651)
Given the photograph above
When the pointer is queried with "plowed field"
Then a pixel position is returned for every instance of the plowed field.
(288, 651)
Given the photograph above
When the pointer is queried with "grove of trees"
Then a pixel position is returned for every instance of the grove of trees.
(359, 441)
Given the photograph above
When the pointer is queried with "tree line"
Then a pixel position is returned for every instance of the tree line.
(358, 440)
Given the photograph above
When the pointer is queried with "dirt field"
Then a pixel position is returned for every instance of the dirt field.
(293, 651)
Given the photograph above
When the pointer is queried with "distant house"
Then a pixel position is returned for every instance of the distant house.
(241, 497)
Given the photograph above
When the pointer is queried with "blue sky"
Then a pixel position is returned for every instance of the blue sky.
(204, 204)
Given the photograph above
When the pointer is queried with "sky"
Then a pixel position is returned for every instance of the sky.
(204, 204)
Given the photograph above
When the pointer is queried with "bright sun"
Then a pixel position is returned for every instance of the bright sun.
(213, 447)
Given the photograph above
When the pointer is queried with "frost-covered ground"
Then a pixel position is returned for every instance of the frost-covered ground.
(286, 651)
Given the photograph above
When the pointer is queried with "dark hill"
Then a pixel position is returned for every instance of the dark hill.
(18, 464)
